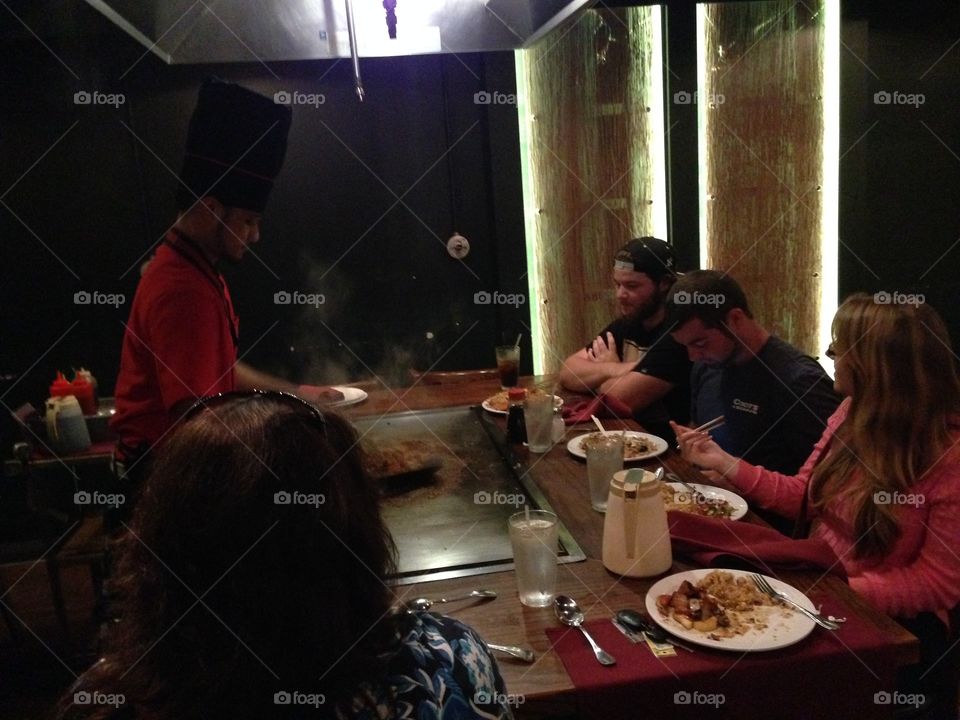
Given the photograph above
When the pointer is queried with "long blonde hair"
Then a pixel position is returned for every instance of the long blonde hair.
(904, 395)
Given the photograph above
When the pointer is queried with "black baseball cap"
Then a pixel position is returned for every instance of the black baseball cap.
(648, 255)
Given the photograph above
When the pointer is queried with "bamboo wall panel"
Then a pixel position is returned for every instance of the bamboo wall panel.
(590, 163)
(764, 119)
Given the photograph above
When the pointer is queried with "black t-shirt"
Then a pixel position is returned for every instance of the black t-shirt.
(657, 354)
(776, 405)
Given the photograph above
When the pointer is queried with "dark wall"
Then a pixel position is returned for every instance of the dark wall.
(900, 166)
(361, 212)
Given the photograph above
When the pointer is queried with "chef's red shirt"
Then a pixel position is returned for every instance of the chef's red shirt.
(179, 343)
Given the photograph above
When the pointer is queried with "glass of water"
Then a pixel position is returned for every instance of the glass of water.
(533, 537)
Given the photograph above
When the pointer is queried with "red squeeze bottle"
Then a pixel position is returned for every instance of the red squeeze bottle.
(61, 387)
(82, 389)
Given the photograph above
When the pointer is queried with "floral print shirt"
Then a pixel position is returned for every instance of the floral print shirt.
(440, 669)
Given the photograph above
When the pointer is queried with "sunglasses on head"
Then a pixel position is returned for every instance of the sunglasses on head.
(291, 401)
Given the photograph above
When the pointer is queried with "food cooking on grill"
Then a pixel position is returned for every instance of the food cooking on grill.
(402, 457)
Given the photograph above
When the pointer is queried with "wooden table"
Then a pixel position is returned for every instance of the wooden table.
(545, 685)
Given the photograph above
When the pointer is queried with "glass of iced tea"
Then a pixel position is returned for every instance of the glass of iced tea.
(508, 365)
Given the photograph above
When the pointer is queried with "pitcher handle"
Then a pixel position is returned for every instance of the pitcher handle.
(630, 509)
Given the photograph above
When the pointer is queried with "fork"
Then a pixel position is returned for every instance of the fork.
(673, 477)
(767, 589)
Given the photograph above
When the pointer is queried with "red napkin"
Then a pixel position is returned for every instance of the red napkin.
(603, 406)
(827, 674)
(715, 542)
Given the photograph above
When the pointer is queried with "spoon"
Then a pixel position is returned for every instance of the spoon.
(569, 613)
(637, 622)
(658, 475)
(422, 604)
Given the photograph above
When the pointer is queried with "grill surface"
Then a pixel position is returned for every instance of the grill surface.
(454, 522)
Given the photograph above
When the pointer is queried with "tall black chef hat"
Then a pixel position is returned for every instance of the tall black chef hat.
(235, 147)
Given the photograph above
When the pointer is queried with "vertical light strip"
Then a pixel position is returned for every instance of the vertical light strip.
(658, 139)
(830, 186)
(701, 95)
(524, 121)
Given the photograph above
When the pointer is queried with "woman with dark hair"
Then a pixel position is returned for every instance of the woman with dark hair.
(251, 583)
(882, 486)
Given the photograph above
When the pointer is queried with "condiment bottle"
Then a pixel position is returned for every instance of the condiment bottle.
(66, 428)
(82, 390)
(88, 376)
(636, 538)
(61, 387)
(516, 426)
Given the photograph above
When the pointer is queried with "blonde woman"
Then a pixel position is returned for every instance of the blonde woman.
(882, 485)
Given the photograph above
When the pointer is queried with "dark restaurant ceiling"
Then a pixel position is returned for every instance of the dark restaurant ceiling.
(189, 31)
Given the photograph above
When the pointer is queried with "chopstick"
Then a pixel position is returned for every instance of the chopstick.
(708, 426)
(711, 424)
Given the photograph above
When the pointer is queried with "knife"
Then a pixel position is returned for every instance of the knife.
(629, 634)
(638, 623)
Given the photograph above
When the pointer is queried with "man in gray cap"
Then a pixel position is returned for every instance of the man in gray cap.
(181, 340)
(634, 359)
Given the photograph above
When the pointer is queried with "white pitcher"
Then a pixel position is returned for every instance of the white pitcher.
(66, 426)
(636, 539)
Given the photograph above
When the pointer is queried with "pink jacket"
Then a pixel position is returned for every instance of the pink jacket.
(922, 570)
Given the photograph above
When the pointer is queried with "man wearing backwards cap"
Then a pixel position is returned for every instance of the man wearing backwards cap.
(181, 340)
(634, 358)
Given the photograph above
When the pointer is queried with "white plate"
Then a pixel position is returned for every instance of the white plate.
(711, 492)
(660, 446)
(785, 626)
(557, 402)
(351, 396)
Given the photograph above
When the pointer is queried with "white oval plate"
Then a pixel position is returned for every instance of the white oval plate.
(660, 446)
(557, 402)
(711, 492)
(786, 626)
(351, 396)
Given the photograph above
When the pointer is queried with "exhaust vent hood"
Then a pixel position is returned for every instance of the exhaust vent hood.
(222, 31)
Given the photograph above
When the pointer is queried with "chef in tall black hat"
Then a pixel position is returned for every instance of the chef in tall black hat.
(181, 340)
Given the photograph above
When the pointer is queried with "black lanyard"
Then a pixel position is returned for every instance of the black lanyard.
(209, 271)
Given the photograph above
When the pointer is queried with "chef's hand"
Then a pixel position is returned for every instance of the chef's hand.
(701, 449)
(318, 394)
(604, 350)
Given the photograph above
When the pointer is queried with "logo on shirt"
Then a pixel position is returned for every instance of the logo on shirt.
(751, 408)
